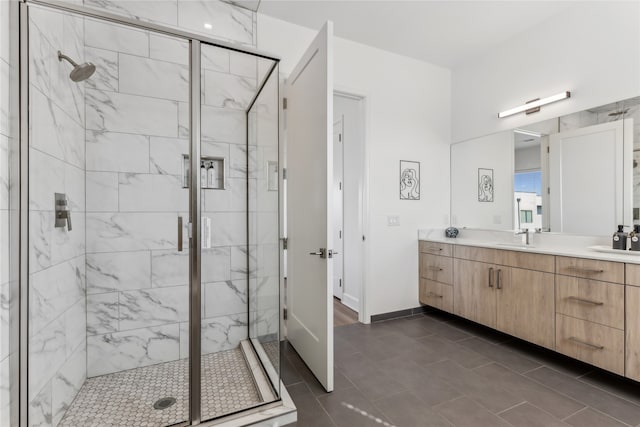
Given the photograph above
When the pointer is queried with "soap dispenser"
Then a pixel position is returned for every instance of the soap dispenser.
(620, 239)
(635, 238)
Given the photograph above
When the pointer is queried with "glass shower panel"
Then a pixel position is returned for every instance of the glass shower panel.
(264, 264)
(231, 377)
(108, 284)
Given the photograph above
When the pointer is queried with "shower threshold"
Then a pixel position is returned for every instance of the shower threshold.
(231, 382)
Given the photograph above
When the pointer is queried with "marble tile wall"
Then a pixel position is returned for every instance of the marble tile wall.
(57, 285)
(8, 218)
(211, 18)
(136, 135)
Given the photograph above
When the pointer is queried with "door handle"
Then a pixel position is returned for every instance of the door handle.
(491, 277)
(322, 253)
(499, 281)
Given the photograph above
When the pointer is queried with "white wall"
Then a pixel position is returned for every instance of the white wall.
(489, 152)
(408, 117)
(527, 159)
(592, 50)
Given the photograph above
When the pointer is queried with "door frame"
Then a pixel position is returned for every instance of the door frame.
(365, 99)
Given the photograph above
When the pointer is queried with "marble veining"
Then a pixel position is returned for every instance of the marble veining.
(103, 313)
(152, 307)
(160, 11)
(153, 78)
(132, 349)
(224, 298)
(118, 271)
(118, 112)
(106, 75)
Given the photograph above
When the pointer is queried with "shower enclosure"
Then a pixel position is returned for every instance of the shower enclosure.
(150, 282)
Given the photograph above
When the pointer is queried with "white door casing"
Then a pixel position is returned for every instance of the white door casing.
(591, 186)
(309, 93)
(338, 210)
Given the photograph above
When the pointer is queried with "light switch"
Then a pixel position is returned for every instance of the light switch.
(393, 221)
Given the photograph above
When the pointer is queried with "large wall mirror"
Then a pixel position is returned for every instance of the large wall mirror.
(573, 174)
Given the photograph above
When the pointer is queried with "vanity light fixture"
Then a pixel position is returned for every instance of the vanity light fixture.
(534, 105)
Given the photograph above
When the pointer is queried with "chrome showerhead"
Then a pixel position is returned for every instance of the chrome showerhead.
(80, 72)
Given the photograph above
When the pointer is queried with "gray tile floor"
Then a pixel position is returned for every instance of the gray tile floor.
(438, 370)
(125, 399)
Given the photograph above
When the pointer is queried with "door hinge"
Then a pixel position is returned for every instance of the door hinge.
(340, 234)
(284, 103)
(339, 137)
(340, 186)
(285, 243)
(548, 190)
(547, 149)
(284, 173)
(285, 313)
(340, 280)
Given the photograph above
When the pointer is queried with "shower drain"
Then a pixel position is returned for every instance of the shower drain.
(164, 403)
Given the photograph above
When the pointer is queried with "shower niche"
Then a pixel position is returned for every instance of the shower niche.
(213, 172)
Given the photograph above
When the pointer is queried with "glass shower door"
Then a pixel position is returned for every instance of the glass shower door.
(108, 210)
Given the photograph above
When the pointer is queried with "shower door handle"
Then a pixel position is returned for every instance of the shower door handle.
(179, 234)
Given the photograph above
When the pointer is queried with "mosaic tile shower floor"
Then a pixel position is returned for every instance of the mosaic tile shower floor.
(126, 398)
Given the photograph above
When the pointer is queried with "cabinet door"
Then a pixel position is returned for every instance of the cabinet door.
(474, 295)
(633, 333)
(525, 301)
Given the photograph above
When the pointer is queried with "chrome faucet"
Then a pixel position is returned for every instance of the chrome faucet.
(524, 231)
(63, 214)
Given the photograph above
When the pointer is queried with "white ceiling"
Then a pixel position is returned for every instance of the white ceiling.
(445, 33)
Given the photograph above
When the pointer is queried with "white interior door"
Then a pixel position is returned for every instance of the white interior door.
(309, 92)
(338, 209)
(591, 184)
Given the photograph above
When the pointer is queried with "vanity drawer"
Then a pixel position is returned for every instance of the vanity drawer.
(590, 269)
(530, 261)
(632, 274)
(438, 268)
(591, 300)
(590, 342)
(436, 295)
(436, 248)
(472, 253)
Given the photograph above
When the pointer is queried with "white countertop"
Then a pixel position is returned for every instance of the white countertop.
(545, 243)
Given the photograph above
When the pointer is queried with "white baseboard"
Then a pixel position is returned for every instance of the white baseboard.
(351, 302)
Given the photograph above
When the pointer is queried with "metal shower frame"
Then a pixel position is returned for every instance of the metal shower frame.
(195, 119)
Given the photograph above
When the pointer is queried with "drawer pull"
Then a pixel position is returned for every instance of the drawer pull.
(434, 268)
(491, 277)
(585, 270)
(586, 301)
(431, 294)
(499, 284)
(586, 344)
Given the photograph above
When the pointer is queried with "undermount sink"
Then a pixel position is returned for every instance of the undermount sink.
(515, 245)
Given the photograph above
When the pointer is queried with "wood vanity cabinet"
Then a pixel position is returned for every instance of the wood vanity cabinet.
(632, 317)
(474, 296)
(525, 306)
(584, 308)
(590, 301)
(517, 301)
(436, 275)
